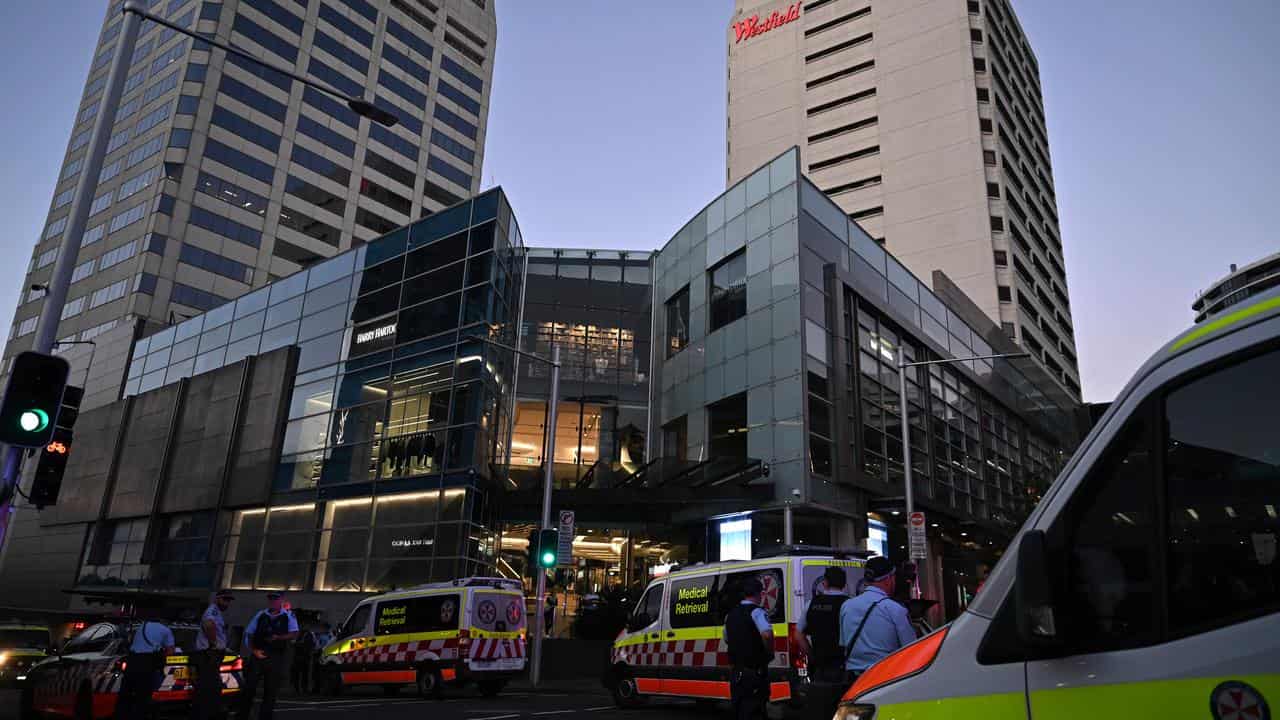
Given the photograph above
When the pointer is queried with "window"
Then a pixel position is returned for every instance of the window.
(180, 138)
(974, 8)
(128, 217)
(225, 227)
(374, 221)
(727, 428)
(345, 54)
(1107, 548)
(76, 306)
(409, 38)
(333, 139)
(100, 203)
(215, 263)
(152, 119)
(277, 13)
(319, 164)
(691, 602)
(195, 298)
(79, 141)
(678, 322)
(393, 200)
(433, 613)
(454, 121)
(1004, 294)
(975, 35)
(238, 161)
(984, 124)
(317, 196)
(729, 593)
(309, 226)
(346, 25)
(230, 193)
(118, 255)
(63, 198)
(110, 293)
(259, 101)
(728, 283)
(979, 65)
(374, 161)
(93, 234)
(402, 61)
(45, 258)
(395, 142)
(839, 47)
(94, 640)
(138, 183)
(989, 157)
(265, 38)
(82, 271)
(1001, 258)
(648, 610)
(416, 97)
(146, 150)
(462, 99)
(438, 165)
(357, 622)
(997, 223)
(27, 326)
(466, 76)
(196, 72)
(160, 87)
(1222, 484)
(993, 190)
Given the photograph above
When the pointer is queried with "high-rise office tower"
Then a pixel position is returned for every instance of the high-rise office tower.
(924, 121)
(221, 176)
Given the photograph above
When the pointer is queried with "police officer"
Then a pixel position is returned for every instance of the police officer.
(151, 642)
(211, 648)
(871, 625)
(267, 638)
(749, 637)
(819, 639)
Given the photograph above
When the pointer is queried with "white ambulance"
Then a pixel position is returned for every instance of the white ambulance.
(672, 646)
(448, 633)
(1146, 583)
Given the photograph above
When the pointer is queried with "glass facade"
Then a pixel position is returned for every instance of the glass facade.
(808, 356)
(399, 409)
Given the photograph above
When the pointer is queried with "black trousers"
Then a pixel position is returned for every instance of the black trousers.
(270, 673)
(300, 670)
(208, 699)
(749, 692)
(141, 678)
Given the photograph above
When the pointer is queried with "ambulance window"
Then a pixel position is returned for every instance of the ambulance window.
(355, 624)
(432, 613)
(647, 610)
(1107, 542)
(693, 602)
(95, 639)
(1222, 478)
(773, 597)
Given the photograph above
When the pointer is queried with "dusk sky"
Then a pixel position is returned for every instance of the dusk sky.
(607, 129)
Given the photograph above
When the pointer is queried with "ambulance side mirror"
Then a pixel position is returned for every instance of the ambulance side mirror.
(1033, 593)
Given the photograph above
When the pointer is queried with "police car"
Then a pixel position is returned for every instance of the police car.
(672, 646)
(83, 679)
(1146, 583)
(21, 646)
(448, 633)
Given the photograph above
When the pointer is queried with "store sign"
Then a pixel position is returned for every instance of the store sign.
(753, 26)
(375, 334)
(412, 542)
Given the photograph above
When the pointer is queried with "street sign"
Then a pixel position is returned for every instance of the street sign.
(916, 537)
(564, 556)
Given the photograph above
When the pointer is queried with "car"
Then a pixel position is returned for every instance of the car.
(454, 632)
(21, 646)
(82, 680)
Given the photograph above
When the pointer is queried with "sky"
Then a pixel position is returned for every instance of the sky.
(607, 129)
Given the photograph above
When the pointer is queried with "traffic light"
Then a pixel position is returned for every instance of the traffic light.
(32, 400)
(53, 457)
(548, 547)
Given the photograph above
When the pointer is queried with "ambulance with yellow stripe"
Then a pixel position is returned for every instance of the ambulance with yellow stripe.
(448, 633)
(1146, 583)
(671, 645)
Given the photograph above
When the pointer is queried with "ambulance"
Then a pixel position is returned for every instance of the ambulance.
(1146, 583)
(447, 633)
(671, 645)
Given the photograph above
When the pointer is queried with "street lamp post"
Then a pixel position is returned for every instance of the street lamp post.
(55, 297)
(548, 458)
(904, 412)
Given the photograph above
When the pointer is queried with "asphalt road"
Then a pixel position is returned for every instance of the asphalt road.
(467, 705)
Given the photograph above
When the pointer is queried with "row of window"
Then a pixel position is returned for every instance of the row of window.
(317, 196)
(346, 25)
(415, 97)
(239, 161)
(247, 129)
(454, 121)
(309, 226)
(344, 84)
(320, 165)
(438, 165)
(231, 193)
(274, 11)
(467, 77)
(403, 61)
(462, 99)
(330, 107)
(259, 101)
(393, 200)
(411, 39)
(110, 293)
(226, 227)
(355, 60)
(453, 147)
(326, 136)
(195, 298)
(215, 263)
(395, 142)
(266, 39)
(392, 170)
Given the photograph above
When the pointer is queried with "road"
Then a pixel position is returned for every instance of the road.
(464, 705)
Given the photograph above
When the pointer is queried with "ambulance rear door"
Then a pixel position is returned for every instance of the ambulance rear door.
(496, 621)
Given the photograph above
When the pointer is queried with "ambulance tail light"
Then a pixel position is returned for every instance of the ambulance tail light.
(464, 643)
(119, 666)
(908, 661)
(236, 666)
(799, 660)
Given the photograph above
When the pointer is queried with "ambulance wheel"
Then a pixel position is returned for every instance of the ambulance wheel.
(83, 709)
(489, 688)
(429, 682)
(391, 690)
(625, 692)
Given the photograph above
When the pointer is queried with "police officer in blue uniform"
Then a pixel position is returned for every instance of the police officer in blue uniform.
(872, 625)
(211, 648)
(150, 643)
(267, 638)
(749, 638)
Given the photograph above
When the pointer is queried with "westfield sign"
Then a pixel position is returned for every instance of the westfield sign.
(753, 26)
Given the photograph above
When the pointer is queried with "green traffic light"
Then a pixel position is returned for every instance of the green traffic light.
(548, 559)
(33, 420)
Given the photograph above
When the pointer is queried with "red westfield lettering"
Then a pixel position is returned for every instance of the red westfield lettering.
(752, 26)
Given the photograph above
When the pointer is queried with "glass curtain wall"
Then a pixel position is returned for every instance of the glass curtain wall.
(399, 414)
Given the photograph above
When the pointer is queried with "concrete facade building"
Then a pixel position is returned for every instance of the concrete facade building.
(222, 176)
(925, 122)
(1239, 285)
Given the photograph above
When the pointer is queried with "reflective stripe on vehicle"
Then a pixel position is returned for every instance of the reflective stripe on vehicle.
(1191, 697)
(703, 689)
(380, 677)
